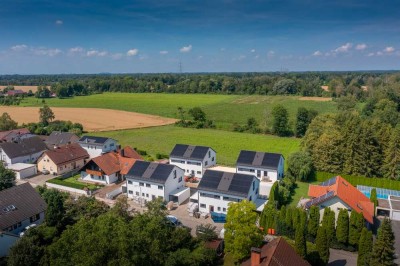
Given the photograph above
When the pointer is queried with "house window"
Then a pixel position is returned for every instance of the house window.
(212, 159)
(254, 185)
(137, 193)
(202, 205)
(199, 172)
(141, 184)
(219, 208)
(147, 195)
(148, 185)
(180, 179)
(142, 194)
(250, 198)
(160, 187)
(209, 154)
(19, 224)
(206, 163)
(217, 197)
(34, 218)
(129, 182)
(224, 209)
(153, 197)
(130, 192)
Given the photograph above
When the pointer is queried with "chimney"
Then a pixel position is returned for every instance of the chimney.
(122, 152)
(255, 256)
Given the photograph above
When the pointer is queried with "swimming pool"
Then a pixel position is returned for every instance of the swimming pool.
(381, 193)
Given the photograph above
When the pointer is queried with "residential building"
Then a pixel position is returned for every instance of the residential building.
(58, 139)
(23, 170)
(15, 135)
(107, 168)
(25, 151)
(20, 206)
(7, 240)
(129, 152)
(193, 159)
(268, 167)
(63, 159)
(97, 146)
(277, 252)
(15, 92)
(217, 189)
(149, 180)
(337, 193)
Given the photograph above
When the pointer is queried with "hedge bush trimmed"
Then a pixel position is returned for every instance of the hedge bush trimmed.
(362, 180)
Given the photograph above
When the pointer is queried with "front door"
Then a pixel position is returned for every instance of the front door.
(211, 208)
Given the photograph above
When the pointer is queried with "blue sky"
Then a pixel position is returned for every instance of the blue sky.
(47, 37)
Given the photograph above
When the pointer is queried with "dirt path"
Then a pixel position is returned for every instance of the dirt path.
(92, 119)
(316, 99)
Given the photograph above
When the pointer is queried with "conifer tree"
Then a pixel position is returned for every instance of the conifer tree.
(313, 221)
(383, 249)
(328, 222)
(300, 241)
(274, 195)
(282, 230)
(364, 248)
(342, 229)
(322, 244)
(373, 197)
(391, 166)
(288, 219)
(355, 227)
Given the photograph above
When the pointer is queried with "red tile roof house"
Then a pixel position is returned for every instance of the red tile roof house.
(63, 159)
(107, 168)
(337, 193)
(15, 135)
(15, 92)
(276, 253)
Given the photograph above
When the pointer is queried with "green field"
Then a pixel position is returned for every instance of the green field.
(227, 144)
(223, 109)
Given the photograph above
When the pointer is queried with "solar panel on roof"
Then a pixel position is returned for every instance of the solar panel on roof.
(329, 182)
(320, 199)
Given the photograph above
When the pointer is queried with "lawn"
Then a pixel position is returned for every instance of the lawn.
(226, 144)
(300, 191)
(223, 109)
(73, 182)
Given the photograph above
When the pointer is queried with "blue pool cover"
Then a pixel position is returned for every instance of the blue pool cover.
(381, 193)
(218, 217)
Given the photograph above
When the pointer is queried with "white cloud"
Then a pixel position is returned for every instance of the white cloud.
(253, 50)
(389, 49)
(186, 49)
(19, 47)
(116, 56)
(361, 46)
(271, 54)
(344, 48)
(163, 52)
(77, 49)
(102, 53)
(379, 53)
(92, 53)
(132, 52)
(46, 52)
(317, 53)
(370, 54)
(59, 22)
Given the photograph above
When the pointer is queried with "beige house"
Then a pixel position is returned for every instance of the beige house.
(63, 159)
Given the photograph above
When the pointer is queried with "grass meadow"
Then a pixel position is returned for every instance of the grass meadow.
(225, 110)
(227, 144)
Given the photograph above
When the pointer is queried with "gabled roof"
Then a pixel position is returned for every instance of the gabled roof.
(112, 162)
(150, 171)
(10, 134)
(58, 138)
(189, 152)
(278, 253)
(93, 140)
(24, 147)
(67, 153)
(130, 153)
(226, 183)
(26, 201)
(259, 159)
(341, 188)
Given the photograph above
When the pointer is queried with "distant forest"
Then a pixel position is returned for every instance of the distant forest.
(331, 84)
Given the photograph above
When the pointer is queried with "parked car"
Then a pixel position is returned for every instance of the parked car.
(173, 220)
(45, 172)
(26, 229)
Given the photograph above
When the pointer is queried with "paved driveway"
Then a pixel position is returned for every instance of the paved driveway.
(396, 231)
(37, 180)
(341, 258)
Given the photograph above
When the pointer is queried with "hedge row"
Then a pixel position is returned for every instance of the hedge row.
(362, 180)
(66, 184)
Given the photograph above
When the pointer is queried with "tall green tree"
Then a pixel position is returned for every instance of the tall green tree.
(274, 195)
(241, 232)
(342, 229)
(280, 124)
(300, 241)
(303, 120)
(6, 122)
(391, 166)
(313, 221)
(364, 248)
(46, 115)
(373, 197)
(55, 209)
(328, 222)
(300, 166)
(355, 227)
(383, 250)
(7, 178)
(322, 245)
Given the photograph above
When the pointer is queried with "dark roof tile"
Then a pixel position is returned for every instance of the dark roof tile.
(150, 171)
(189, 151)
(259, 159)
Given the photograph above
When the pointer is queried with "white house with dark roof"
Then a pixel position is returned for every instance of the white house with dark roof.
(217, 189)
(147, 181)
(25, 151)
(20, 206)
(97, 146)
(193, 159)
(267, 167)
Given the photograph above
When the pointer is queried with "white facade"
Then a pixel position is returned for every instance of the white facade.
(218, 202)
(104, 179)
(195, 167)
(263, 173)
(31, 158)
(95, 150)
(148, 190)
(19, 226)
(335, 204)
(23, 170)
(6, 242)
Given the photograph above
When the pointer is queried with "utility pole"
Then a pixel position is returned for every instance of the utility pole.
(180, 67)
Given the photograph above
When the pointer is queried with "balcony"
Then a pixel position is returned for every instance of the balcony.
(266, 179)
